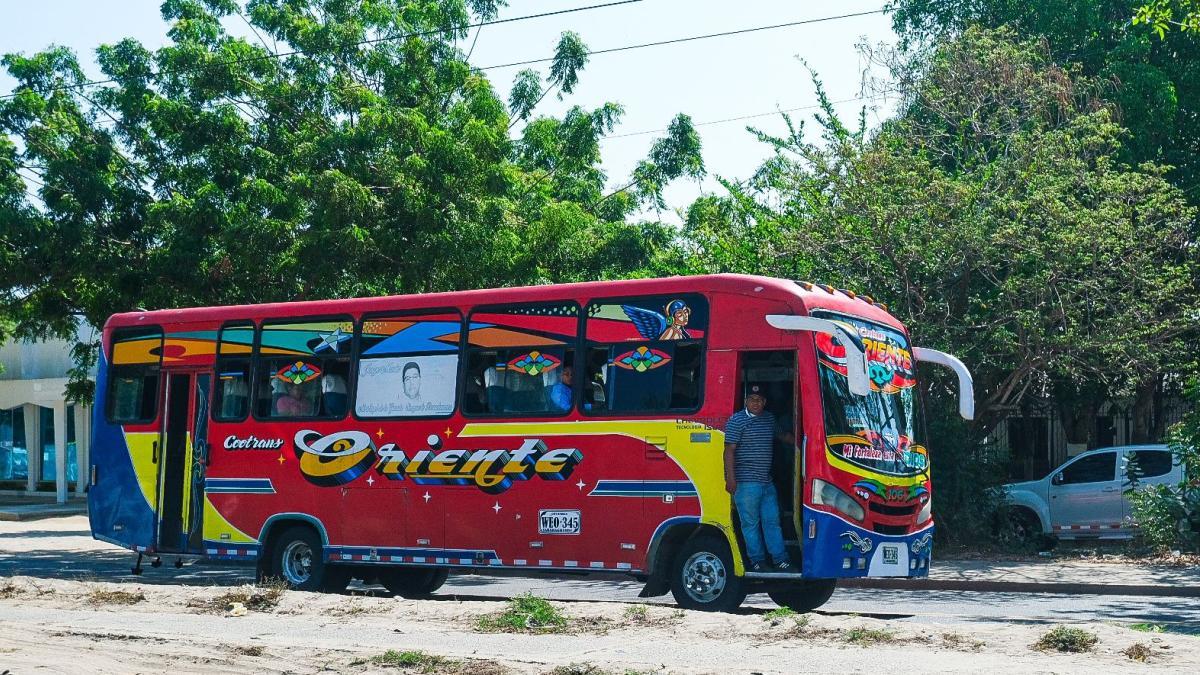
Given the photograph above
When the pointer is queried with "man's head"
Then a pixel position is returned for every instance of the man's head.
(412, 379)
(567, 375)
(756, 399)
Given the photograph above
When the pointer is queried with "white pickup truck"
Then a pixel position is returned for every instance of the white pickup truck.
(1085, 497)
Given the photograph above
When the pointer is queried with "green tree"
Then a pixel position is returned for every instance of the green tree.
(997, 218)
(345, 149)
(1163, 15)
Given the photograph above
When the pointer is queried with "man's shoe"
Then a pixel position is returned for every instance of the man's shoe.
(784, 566)
(758, 567)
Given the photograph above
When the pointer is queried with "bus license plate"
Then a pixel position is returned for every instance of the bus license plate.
(891, 555)
(558, 522)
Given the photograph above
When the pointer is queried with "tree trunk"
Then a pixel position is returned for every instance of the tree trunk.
(1143, 420)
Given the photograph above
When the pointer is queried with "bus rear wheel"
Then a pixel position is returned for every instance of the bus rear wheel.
(413, 582)
(702, 576)
(299, 560)
(806, 596)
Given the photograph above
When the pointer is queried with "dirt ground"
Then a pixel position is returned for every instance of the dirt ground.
(100, 627)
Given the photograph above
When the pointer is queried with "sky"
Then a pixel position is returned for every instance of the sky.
(755, 74)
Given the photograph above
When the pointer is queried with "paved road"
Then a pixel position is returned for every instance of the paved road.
(941, 608)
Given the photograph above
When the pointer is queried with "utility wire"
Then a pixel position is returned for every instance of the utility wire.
(692, 38)
(746, 117)
(402, 36)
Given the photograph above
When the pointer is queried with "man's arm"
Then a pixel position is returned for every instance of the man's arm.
(730, 481)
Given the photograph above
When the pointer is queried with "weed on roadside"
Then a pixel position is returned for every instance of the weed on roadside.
(104, 596)
(1149, 627)
(249, 650)
(1137, 652)
(1065, 639)
(868, 636)
(420, 662)
(525, 614)
(9, 590)
(640, 615)
(578, 669)
(957, 641)
(261, 598)
(778, 614)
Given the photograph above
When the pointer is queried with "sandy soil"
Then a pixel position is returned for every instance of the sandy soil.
(99, 627)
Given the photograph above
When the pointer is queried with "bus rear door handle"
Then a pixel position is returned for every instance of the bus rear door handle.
(154, 452)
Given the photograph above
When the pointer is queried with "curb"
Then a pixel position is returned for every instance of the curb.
(38, 514)
(1023, 587)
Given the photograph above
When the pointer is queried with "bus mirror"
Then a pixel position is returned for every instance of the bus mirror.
(966, 387)
(847, 335)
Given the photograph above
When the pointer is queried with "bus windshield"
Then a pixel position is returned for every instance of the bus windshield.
(878, 431)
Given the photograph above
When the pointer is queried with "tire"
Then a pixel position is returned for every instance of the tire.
(1027, 529)
(299, 560)
(702, 576)
(805, 596)
(413, 582)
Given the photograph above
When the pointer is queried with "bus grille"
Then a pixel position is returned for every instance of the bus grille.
(890, 529)
(893, 510)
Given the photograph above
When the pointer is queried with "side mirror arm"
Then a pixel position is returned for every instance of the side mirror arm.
(847, 335)
(966, 386)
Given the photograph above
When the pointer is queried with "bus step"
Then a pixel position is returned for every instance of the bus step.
(776, 576)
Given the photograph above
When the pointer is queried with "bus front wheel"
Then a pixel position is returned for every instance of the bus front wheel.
(702, 576)
(413, 582)
(807, 596)
(299, 559)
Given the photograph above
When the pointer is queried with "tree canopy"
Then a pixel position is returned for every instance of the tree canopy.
(343, 149)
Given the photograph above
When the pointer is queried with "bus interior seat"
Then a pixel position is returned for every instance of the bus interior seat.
(334, 394)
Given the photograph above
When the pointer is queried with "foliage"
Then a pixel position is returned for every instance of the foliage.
(1066, 639)
(1152, 81)
(525, 613)
(1161, 16)
(345, 149)
(996, 218)
(1169, 515)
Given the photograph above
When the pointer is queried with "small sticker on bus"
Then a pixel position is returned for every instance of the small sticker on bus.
(558, 522)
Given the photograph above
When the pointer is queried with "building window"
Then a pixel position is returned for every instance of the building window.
(46, 421)
(408, 365)
(303, 369)
(14, 458)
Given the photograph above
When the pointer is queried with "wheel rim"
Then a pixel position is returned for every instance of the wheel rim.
(704, 577)
(297, 563)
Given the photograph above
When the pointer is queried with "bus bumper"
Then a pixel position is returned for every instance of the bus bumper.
(840, 549)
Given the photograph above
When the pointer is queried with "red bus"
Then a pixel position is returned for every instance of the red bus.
(569, 428)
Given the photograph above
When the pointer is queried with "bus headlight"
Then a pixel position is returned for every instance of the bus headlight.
(825, 494)
(925, 513)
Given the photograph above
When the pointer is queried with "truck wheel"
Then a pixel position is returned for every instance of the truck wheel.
(299, 559)
(702, 576)
(806, 596)
(413, 582)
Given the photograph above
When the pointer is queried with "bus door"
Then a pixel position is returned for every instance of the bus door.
(182, 459)
(775, 373)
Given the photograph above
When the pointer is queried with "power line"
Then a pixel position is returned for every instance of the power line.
(403, 36)
(746, 117)
(692, 38)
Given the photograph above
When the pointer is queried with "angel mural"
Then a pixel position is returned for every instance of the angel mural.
(655, 326)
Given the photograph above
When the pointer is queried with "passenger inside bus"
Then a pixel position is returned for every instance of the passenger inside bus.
(334, 396)
(298, 401)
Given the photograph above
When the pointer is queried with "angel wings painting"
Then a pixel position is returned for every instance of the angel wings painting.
(654, 326)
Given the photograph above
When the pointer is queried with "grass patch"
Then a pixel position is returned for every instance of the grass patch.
(525, 614)
(958, 641)
(259, 598)
(421, 662)
(9, 590)
(1137, 652)
(640, 615)
(578, 669)
(778, 614)
(103, 596)
(868, 636)
(1064, 639)
(249, 650)
(1149, 627)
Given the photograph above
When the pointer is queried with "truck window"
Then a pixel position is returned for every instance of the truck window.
(1092, 469)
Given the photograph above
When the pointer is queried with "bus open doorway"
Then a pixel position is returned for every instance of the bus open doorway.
(775, 373)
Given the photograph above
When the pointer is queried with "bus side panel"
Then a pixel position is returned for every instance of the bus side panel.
(119, 506)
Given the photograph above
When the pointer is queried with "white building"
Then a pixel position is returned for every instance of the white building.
(43, 439)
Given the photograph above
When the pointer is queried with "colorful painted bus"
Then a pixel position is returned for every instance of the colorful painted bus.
(570, 429)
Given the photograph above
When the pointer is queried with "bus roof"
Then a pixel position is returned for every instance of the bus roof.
(811, 296)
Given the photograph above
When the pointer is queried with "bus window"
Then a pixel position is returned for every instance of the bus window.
(408, 365)
(232, 395)
(302, 370)
(645, 354)
(520, 360)
(133, 375)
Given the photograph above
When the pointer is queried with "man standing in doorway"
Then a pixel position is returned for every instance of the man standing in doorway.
(749, 439)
